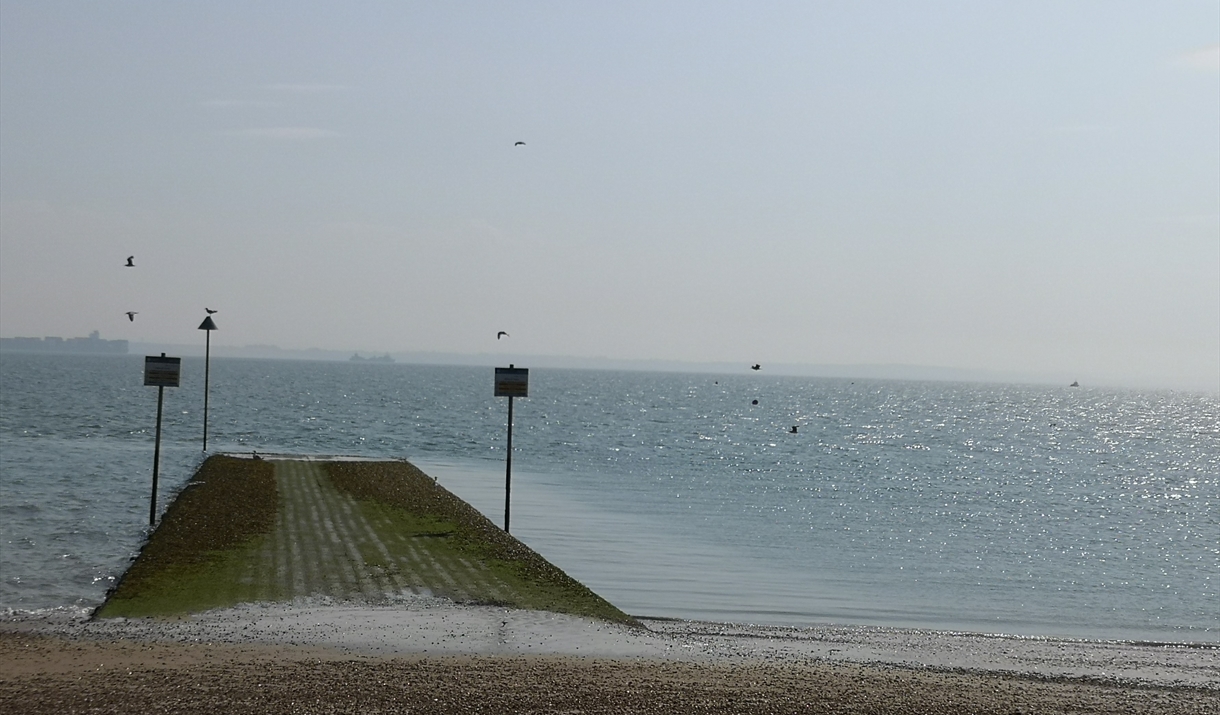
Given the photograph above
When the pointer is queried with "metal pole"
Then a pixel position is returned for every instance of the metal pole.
(207, 363)
(508, 469)
(152, 506)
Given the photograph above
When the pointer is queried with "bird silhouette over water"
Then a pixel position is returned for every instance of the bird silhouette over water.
(131, 261)
(131, 315)
(756, 366)
(210, 311)
(501, 334)
(519, 144)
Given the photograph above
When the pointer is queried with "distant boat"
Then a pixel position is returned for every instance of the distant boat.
(1074, 384)
(384, 358)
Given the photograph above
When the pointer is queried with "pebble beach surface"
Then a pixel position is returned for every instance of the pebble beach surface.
(430, 655)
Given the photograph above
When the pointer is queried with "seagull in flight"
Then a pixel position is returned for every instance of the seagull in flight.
(131, 261)
(210, 311)
(131, 315)
(501, 334)
(519, 144)
(756, 366)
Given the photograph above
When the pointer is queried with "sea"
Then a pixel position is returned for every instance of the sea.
(1041, 511)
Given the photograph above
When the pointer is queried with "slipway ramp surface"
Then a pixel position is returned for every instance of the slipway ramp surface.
(253, 530)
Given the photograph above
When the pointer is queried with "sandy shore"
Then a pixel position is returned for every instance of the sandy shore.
(425, 655)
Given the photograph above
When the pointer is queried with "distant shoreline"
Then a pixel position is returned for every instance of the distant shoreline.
(900, 373)
(92, 345)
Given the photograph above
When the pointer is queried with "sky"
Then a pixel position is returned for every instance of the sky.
(1027, 187)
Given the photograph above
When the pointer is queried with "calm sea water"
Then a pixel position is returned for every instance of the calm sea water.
(996, 508)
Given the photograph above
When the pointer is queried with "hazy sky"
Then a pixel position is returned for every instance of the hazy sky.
(1018, 186)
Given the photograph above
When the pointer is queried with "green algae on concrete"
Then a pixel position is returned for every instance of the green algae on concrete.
(191, 560)
(248, 530)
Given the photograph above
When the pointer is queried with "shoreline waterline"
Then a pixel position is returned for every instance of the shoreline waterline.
(461, 471)
(418, 626)
(607, 555)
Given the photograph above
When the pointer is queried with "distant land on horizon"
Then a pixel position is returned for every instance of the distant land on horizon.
(834, 371)
(92, 345)
(501, 359)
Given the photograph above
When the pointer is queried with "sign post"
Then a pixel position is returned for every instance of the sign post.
(209, 326)
(159, 372)
(510, 382)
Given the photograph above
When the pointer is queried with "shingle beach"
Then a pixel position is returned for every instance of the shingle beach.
(433, 656)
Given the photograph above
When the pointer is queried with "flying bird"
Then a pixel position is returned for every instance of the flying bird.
(131, 315)
(131, 261)
(519, 144)
(756, 367)
(210, 311)
(501, 334)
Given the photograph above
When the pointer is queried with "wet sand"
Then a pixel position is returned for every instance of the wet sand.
(424, 655)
